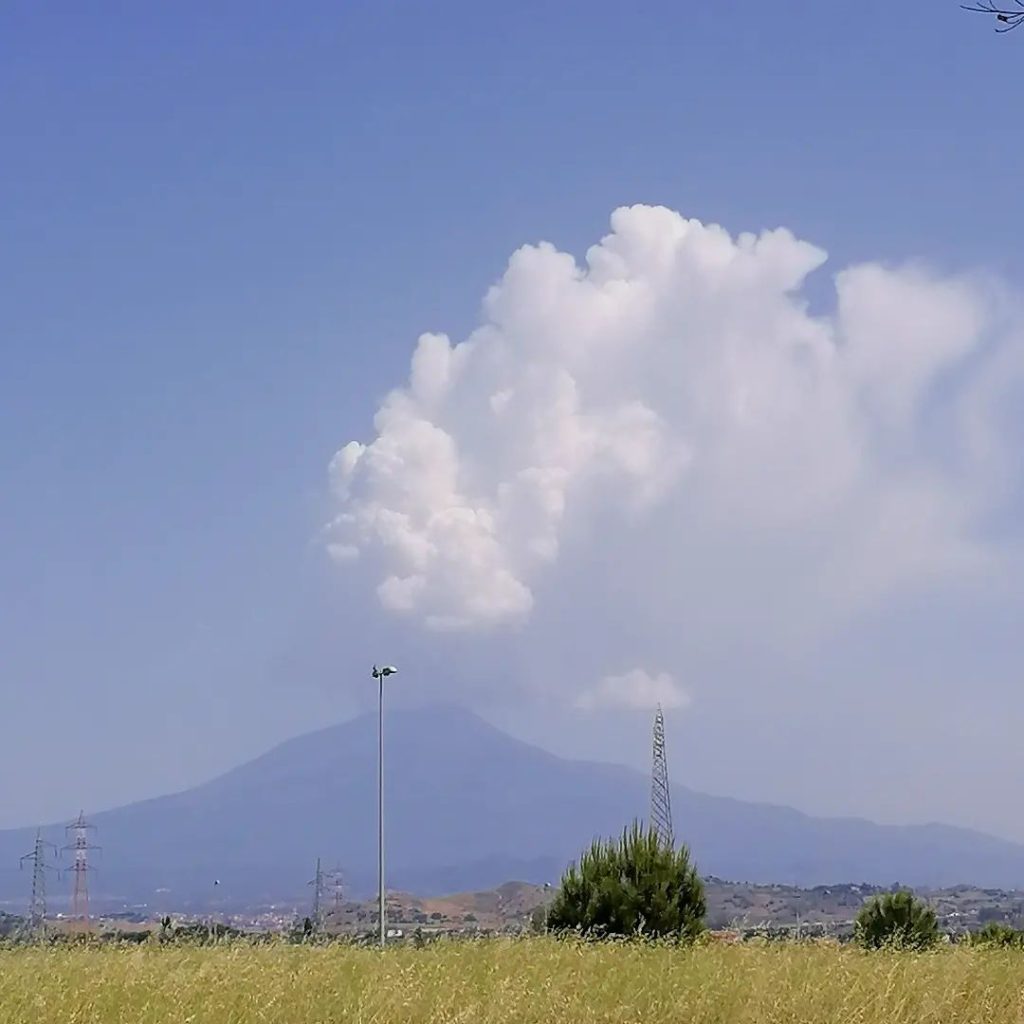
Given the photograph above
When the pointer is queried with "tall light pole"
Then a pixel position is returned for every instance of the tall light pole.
(380, 674)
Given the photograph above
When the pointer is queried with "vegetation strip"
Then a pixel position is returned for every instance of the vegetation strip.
(510, 981)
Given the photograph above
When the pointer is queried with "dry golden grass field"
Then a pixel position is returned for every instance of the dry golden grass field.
(507, 982)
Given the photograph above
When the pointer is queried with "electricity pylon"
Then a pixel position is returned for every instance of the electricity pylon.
(318, 898)
(37, 908)
(80, 846)
(661, 802)
(334, 883)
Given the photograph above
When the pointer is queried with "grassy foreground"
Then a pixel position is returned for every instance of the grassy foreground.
(536, 980)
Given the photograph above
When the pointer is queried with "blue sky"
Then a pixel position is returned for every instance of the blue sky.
(225, 227)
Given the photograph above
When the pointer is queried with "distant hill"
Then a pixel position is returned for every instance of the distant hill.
(468, 807)
(730, 905)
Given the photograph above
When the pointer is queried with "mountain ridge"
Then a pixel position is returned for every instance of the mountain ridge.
(467, 807)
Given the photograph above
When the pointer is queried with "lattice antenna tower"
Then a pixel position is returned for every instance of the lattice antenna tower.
(80, 846)
(37, 858)
(661, 802)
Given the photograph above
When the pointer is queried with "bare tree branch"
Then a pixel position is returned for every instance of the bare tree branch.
(1008, 18)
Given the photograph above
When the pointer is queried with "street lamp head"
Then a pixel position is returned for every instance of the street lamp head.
(387, 670)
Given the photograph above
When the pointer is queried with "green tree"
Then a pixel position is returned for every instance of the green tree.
(635, 885)
(995, 933)
(897, 920)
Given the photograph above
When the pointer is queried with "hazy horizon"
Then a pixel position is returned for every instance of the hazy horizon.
(639, 765)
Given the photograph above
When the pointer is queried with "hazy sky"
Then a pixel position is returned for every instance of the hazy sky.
(290, 384)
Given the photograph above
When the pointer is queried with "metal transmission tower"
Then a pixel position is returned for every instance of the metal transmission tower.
(661, 802)
(336, 880)
(37, 908)
(318, 883)
(332, 896)
(79, 829)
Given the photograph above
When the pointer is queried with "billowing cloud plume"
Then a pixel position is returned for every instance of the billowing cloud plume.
(635, 690)
(850, 454)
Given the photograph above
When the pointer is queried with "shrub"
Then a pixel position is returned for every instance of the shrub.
(635, 885)
(898, 920)
(997, 934)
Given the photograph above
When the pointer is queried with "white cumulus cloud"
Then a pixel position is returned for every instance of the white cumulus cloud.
(635, 690)
(676, 390)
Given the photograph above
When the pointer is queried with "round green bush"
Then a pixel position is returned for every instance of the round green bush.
(896, 920)
(636, 885)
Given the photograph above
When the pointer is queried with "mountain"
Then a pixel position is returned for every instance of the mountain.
(468, 807)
